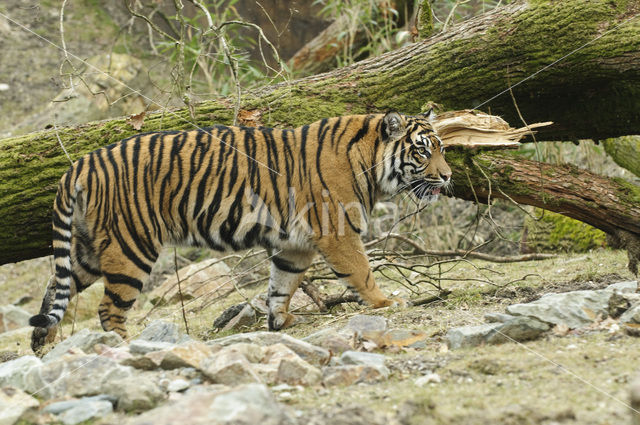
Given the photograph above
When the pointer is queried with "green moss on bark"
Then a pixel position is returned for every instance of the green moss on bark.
(557, 233)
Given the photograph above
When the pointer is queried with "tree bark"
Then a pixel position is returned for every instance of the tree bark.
(612, 205)
(458, 69)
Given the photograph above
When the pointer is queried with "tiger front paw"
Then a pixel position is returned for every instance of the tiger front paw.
(394, 302)
(278, 321)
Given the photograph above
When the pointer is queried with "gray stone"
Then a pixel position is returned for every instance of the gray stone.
(243, 405)
(295, 371)
(13, 317)
(329, 339)
(226, 316)
(229, 367)
(308, 352)
(362, 358)
(134, 394)
(624, 287)
(178, 385)
(14, 404)
(159, 330)
(470, 336)
(353, 374)
(140, 346)
(365, 326)
(632, 315)
(75, 376)
(497, 317)
(85, 340)
(574, 309)
(515, 329)
(190, 354)
(518, 329)
(85, 410)
(60, 406)
(246, 317)
(13, 372)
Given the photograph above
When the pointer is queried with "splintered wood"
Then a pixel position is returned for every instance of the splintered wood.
(473, 129)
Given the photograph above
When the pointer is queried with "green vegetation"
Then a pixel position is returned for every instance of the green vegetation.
(554, 232)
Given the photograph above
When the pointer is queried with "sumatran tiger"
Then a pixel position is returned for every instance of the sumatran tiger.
(296, 192)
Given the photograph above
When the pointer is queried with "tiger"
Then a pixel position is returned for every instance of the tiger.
(298, 193)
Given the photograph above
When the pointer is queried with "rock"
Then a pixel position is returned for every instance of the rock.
(352, 374)
(13, 317)
(626, 287)
(161, 331)
(76, 376)
(84, 340)
(60, 406)
(518, 329)
(71, 412)
(118, 353)
(360, 358)
(632, 315)
(470, 336)
(253, 352)
(634, 401)
(497, 317)
(243, 405)
(574, 309)
(298, 372)
(245, 317)
(178, 385)
(13, 372)
(329, 339)
(134, 394)
(228, 314)
(308, 352)
(229, 367)
(140, 346)
(14, 404)
(515, 329)
(365, 326)
(205, 280)
(190, 354)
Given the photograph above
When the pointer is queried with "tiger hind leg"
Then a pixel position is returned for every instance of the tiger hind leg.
(84, 272)
(287, 271)
(124, 276)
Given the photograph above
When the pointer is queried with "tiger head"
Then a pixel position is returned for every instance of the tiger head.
(413, 156)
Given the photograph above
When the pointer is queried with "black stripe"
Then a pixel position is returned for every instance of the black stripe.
(123, 279)
(117, 301)
(340, 275)
(62, 272)
(286, 266)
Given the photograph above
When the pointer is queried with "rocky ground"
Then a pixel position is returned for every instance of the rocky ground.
(482, 355)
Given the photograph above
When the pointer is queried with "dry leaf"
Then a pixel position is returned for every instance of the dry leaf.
(136, 120)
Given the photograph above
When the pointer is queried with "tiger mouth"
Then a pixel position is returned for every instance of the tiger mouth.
(424, 189)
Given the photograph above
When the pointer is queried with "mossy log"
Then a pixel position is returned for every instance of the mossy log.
(459, 69)
(612, 205)
(625, 151)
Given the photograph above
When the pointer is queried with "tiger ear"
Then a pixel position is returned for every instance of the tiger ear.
(430, 115)
(393, 126)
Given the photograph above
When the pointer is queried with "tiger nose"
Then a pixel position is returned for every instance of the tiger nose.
(446, 176)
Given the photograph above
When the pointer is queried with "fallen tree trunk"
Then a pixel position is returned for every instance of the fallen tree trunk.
(459, 69)
(612, 205)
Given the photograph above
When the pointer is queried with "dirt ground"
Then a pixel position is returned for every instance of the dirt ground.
(580, 377)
